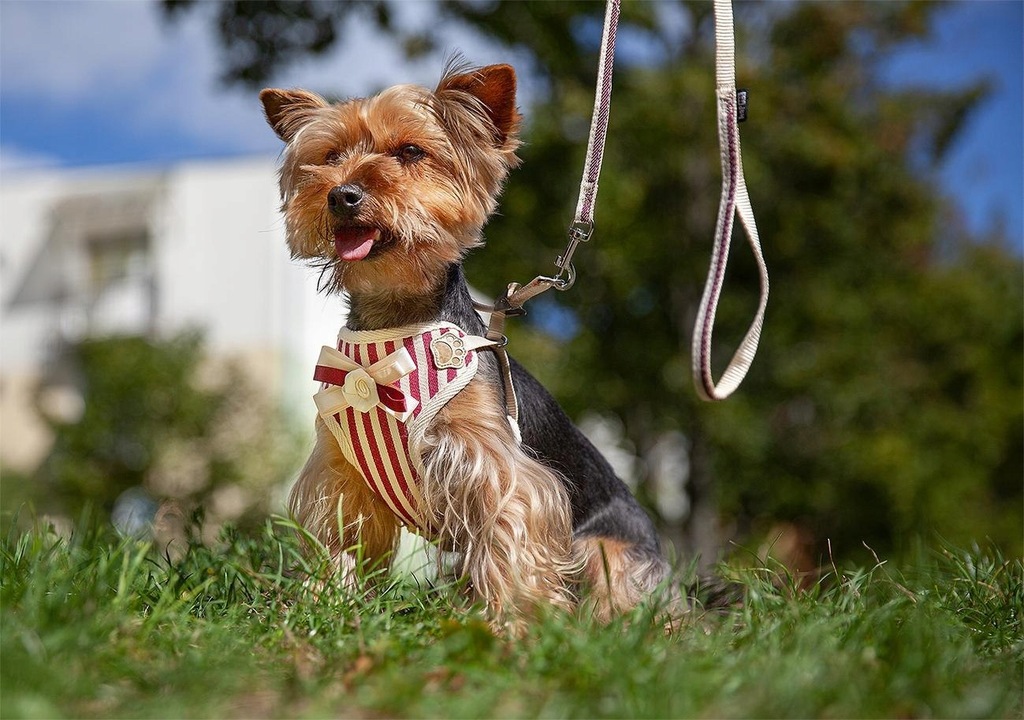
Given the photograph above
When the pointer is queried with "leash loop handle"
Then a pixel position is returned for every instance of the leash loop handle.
(734, 202)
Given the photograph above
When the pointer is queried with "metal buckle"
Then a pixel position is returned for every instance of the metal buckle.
(500, 340)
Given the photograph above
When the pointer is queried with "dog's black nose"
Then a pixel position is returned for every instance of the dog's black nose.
(344, 200)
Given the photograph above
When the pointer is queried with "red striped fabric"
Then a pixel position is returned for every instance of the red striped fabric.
(383, 448)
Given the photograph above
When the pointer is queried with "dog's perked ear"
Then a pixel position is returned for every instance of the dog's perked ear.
(495, 87)
(289, 110)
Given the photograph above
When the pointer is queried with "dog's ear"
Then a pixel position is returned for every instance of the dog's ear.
(289, 110)
(495, 87)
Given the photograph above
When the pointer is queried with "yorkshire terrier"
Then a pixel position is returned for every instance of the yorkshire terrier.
(388, 194)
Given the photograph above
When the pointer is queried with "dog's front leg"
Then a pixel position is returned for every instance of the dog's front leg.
(334, 504)
(507, 514)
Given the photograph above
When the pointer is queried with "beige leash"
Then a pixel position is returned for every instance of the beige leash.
(731, 110)
(734, 201)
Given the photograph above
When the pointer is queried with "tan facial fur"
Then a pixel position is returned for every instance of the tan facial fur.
(429, 209)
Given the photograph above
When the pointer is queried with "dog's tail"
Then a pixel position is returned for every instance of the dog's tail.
(716, 593)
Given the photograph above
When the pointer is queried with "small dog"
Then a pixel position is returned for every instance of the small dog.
(388, 194)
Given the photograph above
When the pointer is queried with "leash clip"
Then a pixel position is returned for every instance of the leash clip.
(579, 232)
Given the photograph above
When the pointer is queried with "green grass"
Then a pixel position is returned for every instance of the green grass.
(103, 627)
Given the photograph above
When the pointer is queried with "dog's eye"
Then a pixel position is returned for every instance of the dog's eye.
(410, 154)
(331, 157)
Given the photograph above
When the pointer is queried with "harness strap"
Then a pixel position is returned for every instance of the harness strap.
(735, 201)
(511, 400)
(496, 336)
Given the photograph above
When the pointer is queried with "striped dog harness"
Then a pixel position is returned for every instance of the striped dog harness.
(380, 390)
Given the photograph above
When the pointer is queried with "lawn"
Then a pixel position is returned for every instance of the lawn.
(99, 626)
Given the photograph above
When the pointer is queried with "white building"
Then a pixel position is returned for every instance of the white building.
(110, 251)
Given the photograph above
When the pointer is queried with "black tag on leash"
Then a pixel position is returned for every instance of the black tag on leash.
(741, 105)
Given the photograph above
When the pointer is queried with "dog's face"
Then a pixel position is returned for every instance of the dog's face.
(387, 191)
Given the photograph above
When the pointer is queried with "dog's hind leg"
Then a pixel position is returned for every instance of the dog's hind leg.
(618, 575)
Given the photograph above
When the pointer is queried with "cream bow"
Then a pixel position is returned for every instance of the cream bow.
(349, 384)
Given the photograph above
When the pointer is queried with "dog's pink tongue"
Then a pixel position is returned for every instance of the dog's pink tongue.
(355, 243)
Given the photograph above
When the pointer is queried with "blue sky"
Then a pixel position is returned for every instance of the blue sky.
(97, 82)
(984, 171)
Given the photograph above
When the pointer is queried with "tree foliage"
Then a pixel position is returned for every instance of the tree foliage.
(885, 403)
(156, 418)
(257, 37)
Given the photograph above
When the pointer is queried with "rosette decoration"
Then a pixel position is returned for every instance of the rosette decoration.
(350, 385)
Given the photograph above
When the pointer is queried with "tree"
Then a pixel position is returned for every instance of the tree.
(159, 422)
(885, 403)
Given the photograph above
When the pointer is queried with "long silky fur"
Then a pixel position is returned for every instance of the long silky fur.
(504, 512)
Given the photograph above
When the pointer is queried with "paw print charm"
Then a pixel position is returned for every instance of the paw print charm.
(449, 351)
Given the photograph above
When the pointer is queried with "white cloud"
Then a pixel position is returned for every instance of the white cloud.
(120, 57)
(14, 159)
(66, 52)
(366, 60)
(184, 92)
